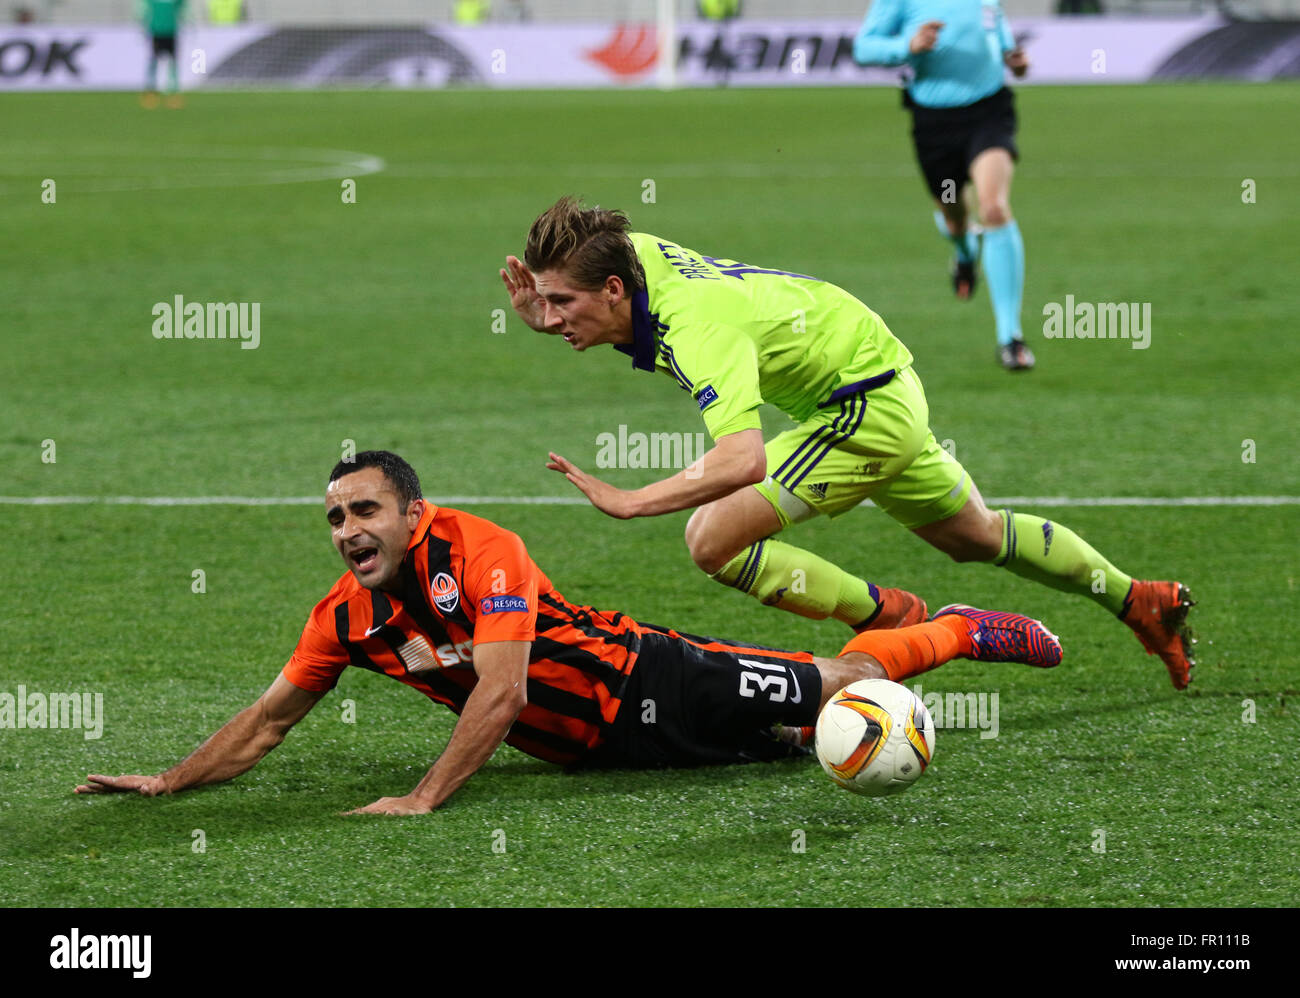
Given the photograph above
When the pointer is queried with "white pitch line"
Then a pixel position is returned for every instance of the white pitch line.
(577, 500)
(271, 165)
(1143, 501)
(776, 169)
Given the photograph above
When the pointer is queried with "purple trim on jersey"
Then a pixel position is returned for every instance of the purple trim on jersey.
(865, 385)
(667, 352)
(642, 347)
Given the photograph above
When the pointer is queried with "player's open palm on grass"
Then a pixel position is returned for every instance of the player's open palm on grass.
(145, 786)
(524, 298)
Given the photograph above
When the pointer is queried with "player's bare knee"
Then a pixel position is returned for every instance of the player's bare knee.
(979, 541)
(698, 542)
(967, 550)
(995, 213)
(838, 673)
(694, 528)
(708, 555)
(863, 666)
(984, 540)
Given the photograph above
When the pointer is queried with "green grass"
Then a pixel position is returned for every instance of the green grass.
(377, 327)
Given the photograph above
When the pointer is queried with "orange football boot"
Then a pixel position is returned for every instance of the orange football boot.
(898, 608)
(1157, 613)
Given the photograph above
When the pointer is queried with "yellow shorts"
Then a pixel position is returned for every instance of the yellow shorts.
(874, 445)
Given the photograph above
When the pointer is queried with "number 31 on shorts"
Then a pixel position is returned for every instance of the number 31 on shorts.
(772, 680)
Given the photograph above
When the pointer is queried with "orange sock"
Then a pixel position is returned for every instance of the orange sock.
(909, 651)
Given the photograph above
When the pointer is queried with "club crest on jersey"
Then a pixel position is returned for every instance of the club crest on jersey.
(503, 604)
(446, 594)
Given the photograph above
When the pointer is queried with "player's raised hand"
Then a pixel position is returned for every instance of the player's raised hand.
(145, 786)
(393, 805)
(606, 498)
(524, 298)
(1017, 61)
(925, 38)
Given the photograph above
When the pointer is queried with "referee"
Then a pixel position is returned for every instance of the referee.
(161, 18)
(964, 129)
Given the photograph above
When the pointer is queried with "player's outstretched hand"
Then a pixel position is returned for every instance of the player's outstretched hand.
(524, 298)
(145, 786)
(925, 38)
(393, 805)
(1017, 61)
(609, 500)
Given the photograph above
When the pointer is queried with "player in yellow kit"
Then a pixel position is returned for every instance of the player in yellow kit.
(734, 336)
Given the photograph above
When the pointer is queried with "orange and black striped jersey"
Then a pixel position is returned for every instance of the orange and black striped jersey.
(465, 579)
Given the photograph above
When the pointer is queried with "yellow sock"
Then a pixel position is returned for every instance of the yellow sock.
(782, 575)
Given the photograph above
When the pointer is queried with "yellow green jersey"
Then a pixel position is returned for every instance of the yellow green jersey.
(736, 335)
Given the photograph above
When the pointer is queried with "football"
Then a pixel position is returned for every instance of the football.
(875, 737)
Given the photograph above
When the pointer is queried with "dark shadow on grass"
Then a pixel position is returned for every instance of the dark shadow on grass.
(1083, 707)
(126, 823)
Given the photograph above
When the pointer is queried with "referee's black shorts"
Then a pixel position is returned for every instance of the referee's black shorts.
(164, 45)
(693, 701)
(948, 139)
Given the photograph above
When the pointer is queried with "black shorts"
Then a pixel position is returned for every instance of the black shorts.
(948, 139)
(693, 701)
(164, 44)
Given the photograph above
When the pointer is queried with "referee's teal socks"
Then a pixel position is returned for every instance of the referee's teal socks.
(1004, 270)
(965, 244)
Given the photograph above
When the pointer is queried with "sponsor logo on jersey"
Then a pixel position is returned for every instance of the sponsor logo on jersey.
(446, 594)
(706, 397)
(503, 604)
(417, 656)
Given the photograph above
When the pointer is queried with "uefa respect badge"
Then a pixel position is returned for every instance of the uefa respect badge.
(503, 604)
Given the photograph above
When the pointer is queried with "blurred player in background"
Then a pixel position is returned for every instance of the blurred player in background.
(471, 12)
(161, 19)
(736, 336)
(452, 605)
(226, 11)
(964, 129)
(718, 10)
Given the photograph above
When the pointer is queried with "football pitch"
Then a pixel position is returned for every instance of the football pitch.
(1094, 784)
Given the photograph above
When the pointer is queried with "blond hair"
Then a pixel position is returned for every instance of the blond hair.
(587, 244)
